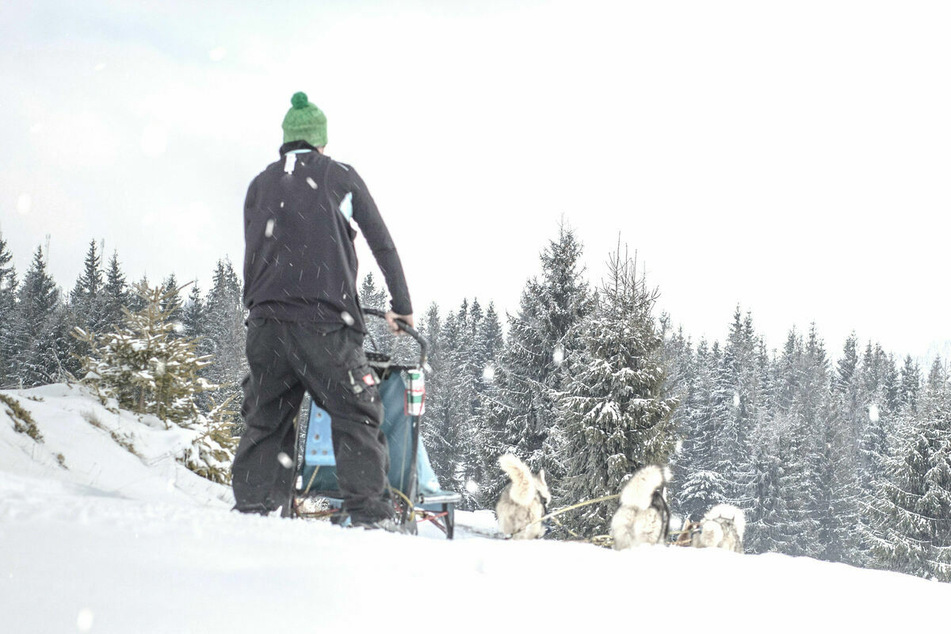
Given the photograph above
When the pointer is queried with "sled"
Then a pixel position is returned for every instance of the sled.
(415, 488)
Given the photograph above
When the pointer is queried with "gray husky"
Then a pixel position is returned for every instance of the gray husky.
(722, 527)
(523, 502)
(643, 517)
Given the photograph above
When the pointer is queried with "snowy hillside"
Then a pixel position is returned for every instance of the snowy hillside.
(96, 538)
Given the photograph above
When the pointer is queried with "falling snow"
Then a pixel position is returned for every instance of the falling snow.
(84, 620)
(24, 204)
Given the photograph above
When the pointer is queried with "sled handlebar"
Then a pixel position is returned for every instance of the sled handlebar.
(405, 327)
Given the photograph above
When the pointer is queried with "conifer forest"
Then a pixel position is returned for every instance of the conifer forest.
(839, 452)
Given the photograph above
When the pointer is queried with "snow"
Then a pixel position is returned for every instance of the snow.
(24, 204)
(118, 542)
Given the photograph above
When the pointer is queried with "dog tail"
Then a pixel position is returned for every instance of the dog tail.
(640, 489)
(523, 485)
(730, 513)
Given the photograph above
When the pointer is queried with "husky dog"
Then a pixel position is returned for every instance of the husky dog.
(523, 501)
(643, 517)
(721, 527)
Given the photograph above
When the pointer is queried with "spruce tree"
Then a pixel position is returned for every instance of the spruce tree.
(430, 326)
(522, 417)
(193, 315)
(909, 386)
(851, 413)
(116, 295)
(88, 295)
(787, 524)
(150, 369)
(40, 334)
(145, 365)
(911, 517)
(488, 346)
(739, 399)
(698, 484)
(225, 332)
(453, 451)
(613, 409)
(8, 295)
(173, 301)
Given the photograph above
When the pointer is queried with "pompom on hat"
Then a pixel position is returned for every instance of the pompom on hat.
(305, 122)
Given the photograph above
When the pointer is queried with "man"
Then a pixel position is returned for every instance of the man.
(305, 326)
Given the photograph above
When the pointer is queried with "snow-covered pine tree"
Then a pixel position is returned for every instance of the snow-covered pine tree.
(488, 346)
(530, 373)
(430, 326)
(86, 301)
(448, 415)
(115, 295)
(136, 302)
(877, 379)
(225, 333)
(149, 368)
(833, 464)
(784, 483)
(87, 298)
(372, 296)
(40, 330)
(846, 387)
(145, 365)
(844, 446)
(909, 386)
(400, 349)
(911, 517)
(193, 315)
(877, 434)
(738, 402)
(613, 410)
(698, 485)
(173, 304)
(8, 292)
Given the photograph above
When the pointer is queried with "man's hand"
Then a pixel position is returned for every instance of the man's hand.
(391, 318)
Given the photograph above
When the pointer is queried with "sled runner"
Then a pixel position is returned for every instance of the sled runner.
(415, 487)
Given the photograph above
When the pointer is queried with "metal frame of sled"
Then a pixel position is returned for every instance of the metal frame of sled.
(416, 490)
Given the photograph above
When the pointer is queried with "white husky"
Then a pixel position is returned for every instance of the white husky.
(722, 527)
(523, 501)
(643, 517)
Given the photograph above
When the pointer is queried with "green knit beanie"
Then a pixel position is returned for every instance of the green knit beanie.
(305, 122)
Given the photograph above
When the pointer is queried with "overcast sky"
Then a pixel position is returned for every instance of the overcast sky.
(792, 158)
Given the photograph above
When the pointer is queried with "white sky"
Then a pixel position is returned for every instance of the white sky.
(792, 157)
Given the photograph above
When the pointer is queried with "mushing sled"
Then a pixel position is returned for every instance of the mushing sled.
(416, 491)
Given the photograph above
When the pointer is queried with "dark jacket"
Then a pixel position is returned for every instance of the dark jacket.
(300, 263)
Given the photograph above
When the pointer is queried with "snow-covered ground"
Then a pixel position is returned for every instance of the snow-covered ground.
(94, 538)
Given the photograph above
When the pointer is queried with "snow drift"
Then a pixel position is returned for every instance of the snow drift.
(96, 537)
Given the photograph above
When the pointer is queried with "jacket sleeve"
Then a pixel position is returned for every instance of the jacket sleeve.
(368, 218)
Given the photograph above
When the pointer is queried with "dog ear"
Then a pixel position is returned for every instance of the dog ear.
(541, 476)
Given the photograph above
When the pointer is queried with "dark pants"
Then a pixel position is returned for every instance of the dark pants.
(285, 359)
